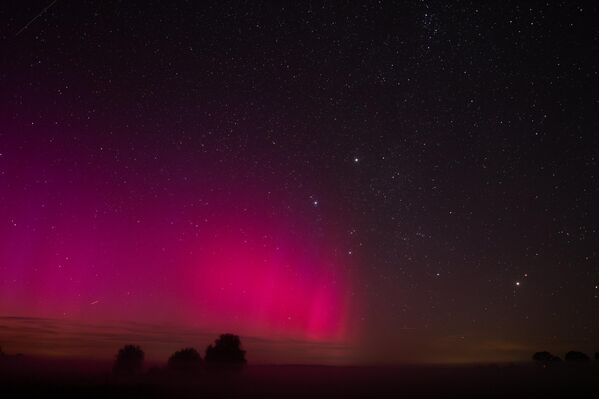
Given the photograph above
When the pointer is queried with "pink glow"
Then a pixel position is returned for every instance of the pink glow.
(251, 274)
(93, 246)
(263, 280)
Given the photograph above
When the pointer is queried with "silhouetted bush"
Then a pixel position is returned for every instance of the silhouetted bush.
(545, 358)
(226, 351)
(577, 357)
(597, 356)
(129, 360)
(186, 360)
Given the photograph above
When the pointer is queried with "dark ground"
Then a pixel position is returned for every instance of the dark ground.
(44, 378)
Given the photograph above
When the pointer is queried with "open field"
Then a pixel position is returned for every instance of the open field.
(41, 378)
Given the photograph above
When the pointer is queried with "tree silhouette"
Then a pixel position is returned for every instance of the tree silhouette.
(577, 357)
(597, 356)
(226, 350)
(186, 360)
(129, 360)
(545, 358)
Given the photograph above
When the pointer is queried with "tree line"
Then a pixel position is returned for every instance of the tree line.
(226, 352)
(546, 358)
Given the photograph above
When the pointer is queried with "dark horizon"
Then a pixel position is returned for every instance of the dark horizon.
(84, 342)
(69, 378)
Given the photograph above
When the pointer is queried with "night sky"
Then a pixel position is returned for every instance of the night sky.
(335, 182)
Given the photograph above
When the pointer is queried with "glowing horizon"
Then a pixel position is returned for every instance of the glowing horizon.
(252, 273)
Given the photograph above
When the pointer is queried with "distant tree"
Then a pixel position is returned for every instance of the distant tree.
(545, 358)
(577, 357)
(226, 351)
(129, 360)
(187, 359)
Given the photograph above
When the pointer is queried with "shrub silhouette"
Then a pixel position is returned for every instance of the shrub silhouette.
(545, 358)
(577, 357)
(597, 356)
(185, 360)
(226, 350)
(129, 360)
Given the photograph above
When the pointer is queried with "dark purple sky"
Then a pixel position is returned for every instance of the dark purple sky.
(393, 183)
